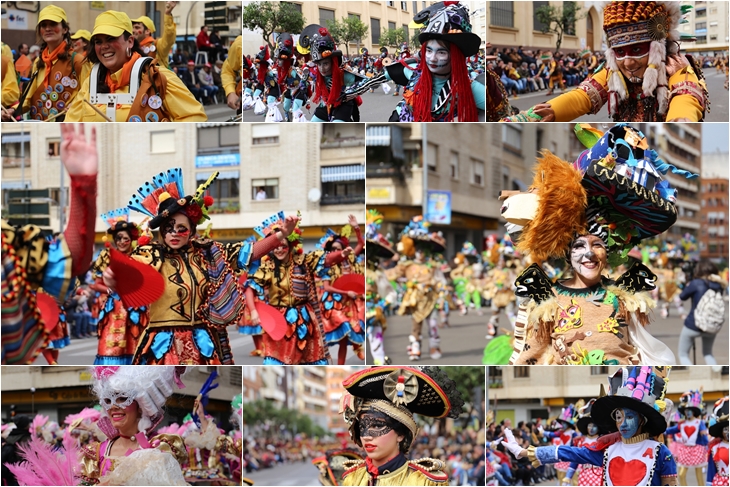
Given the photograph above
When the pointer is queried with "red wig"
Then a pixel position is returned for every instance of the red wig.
(331, 97)
(283, 70)
(461, 94)
(263, 67)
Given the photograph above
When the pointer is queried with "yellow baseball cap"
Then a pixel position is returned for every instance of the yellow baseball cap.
(82, 34)
(146, 21)
(52, 13)
(112, 23)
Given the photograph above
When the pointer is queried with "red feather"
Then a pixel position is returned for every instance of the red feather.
(137, 284)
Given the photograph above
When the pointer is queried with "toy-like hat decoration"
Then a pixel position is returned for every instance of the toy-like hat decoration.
(546, 56)
(149, 387)
(331, 236)
(377, 246)
(383, 52)
(399, 393)
(304, 43)
(585, 53)
(284, 46)
(635, 22)
(262, 55)
(364, 51)
(331, 465)
(584, 418)
(417, 231)
(276, 222)
(164, 196)
(719, 417)
(321, 44)
(640, 388)
(470, 252)
(692, 401)
(447, 21)
(569, 414)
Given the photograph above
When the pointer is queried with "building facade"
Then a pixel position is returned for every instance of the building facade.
(708, 21)
(713, 238)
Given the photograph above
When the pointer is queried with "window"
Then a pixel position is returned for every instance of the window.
(502, 14)
(522, 371)
(13, 147)
(713, 23)
(211, 139)
(391, 3)
(536, 24)
(342, 185)
(54, 147)
(713, 37)
(224, 190)
(162, 142)
(570, 29)
(505, 177)
(407, 33)
(700, 25)
(404, 6)
(432, 157)
(599, 369)
(297, 6)
(477, 172)
(495, 378)
(325, 15)
(454, 165)
(415, 7)
(264, 133)
(701, 12)
(391, 25)
(269, 186)
(375, 30)
(512, 138)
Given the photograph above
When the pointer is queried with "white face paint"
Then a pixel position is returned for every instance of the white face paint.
(438, 58)
(588, 258)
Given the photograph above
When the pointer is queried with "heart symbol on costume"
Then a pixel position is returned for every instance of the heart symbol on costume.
(565, 439)
(689, 431)
(622, 472)
(721, 454)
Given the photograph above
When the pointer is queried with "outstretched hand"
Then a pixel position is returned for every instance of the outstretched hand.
(290, 223)
(78, 154)
(352, 221)
(511, 444)
(545, 110)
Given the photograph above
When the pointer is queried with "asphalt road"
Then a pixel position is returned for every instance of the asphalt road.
(297, 473)
(463, 342)
(219, 112)
(715, 86)
(376, 107)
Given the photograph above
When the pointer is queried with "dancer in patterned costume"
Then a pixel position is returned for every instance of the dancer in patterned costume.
(717, 467)
(692, 438)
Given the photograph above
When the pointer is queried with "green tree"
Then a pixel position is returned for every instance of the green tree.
(272, 17)
(559, 20)
(347, 30)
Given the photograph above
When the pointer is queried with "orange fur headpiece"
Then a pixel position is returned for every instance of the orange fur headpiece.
(561, 212)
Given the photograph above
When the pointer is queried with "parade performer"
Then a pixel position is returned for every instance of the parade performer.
(379, 408)
(587, 474)
(285, 280)
(331, 77)
(132, 399)
(9, 77)
(143, 28)
(717, 467)
(419, 300)
(630, 456)
(125, 85)
(592, 212)
(552, 72)
(56, 77)
(565, 435)
(343, 312)
(58, 338)
(378, 290)
(187, 325)
(465, 278)
(119, 328)
(438, 87)
(30, 261)
(645, 78)
(232, 68)
(261, 62)
(692, 438)
(291, 84)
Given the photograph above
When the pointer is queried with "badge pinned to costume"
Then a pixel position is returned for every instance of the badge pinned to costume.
(155, 102)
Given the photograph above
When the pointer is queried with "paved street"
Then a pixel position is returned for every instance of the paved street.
(715, 85)
(219, 112)
(297, 473)
(376, 107)
(463, 343)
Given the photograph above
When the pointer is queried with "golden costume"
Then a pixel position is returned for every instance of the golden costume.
(424, 471)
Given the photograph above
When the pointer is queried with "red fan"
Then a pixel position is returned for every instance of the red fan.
(48, 309)
(351, 282)
(272, 321)
(137, 284)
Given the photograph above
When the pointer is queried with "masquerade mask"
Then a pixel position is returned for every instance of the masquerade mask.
(116, 398)
(172, 228)
(374, 424)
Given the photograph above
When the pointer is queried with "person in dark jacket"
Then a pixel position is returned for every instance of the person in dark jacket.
(191, 82)
(10, 453)
(706, 277)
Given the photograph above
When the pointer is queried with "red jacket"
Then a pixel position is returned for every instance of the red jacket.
(203, 40)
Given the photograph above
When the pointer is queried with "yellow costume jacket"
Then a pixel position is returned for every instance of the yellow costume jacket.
(424, 471)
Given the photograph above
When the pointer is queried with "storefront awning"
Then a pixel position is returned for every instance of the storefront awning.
(351, 172)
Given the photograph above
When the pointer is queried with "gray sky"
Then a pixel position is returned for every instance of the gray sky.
(715, 136)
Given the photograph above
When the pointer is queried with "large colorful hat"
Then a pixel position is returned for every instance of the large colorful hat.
(447, 21)
(118, 220)
(469, 251)
(584, 418)
(569, 414)
(330, 236)
(400, 392)
(417, 230)
(317, 40)
(284, 46)
(164, 196)
(263, 55)
(276, 222)
(377, 246)
(719, 417)
(635, 22)
(640, 388)
(691, 400)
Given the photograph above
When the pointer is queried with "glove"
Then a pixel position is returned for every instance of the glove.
(511, 444)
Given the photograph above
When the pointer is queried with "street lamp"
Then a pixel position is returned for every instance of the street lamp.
(32, 400)
(187, 20)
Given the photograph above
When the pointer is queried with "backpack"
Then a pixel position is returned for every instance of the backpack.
(709, 313)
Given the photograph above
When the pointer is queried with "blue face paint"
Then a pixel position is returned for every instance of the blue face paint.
(689, 413)
(627, 421)
(592, 429)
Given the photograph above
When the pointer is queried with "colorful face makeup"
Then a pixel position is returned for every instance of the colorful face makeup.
(588, 258)
(122, 241)
(633, 60)
(325, 67)
(176, 231)
(628, 421)
(592, 429)
(438, 58)
(689, 414)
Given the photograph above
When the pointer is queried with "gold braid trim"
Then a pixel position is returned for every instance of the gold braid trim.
(533, 457)
(399, 413)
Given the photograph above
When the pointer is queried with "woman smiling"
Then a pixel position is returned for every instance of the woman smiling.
(127, 86)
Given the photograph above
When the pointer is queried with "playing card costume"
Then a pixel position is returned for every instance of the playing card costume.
(691, 436)
(587, 474)
(717, 467)
(615, 192)
(390, 396)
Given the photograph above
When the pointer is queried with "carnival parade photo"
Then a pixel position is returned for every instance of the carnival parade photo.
(370, 296)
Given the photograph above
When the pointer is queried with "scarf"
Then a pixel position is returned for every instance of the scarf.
(147, 40)
(390, 466)
(48, 58)
(126, 74)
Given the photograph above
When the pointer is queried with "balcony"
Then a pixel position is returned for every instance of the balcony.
(342, 200)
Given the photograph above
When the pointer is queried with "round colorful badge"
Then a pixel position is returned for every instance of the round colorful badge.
(155, 102)
(151, 117)
(135, 118)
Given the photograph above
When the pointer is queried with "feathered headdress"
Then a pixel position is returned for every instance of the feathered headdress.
(118, 220)
(276, 222)
(330, 236)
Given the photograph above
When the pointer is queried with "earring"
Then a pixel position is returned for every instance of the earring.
(129, 52)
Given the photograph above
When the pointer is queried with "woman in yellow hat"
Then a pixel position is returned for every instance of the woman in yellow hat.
(126, 86)
(55, 77)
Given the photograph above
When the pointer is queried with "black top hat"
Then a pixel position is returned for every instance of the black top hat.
(637, 388)
(719, 418)
(448, 21)
(584, 419)
(284, 46)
